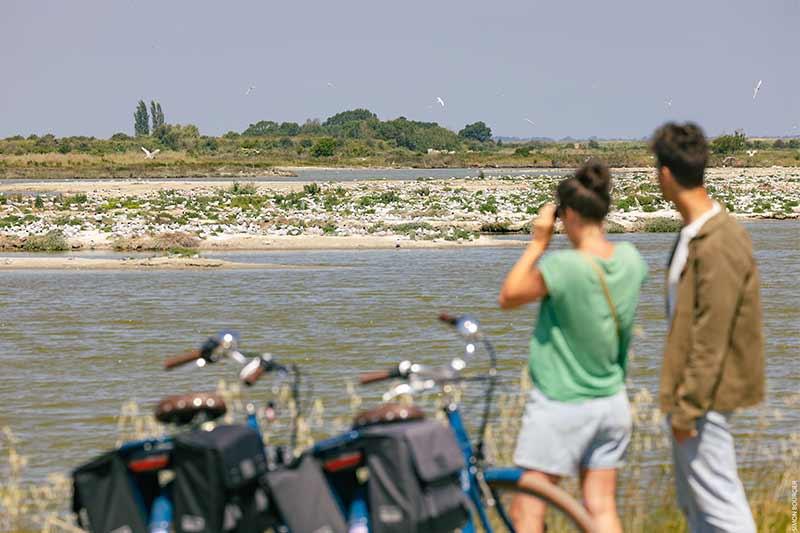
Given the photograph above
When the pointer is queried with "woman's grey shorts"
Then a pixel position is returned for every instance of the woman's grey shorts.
(560, 438)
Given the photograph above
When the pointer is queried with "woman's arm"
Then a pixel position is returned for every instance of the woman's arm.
(525, 284)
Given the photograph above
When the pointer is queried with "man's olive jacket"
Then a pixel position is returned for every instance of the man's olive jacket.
(714, 354)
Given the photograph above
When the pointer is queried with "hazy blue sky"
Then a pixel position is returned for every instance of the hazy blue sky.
(576, 68)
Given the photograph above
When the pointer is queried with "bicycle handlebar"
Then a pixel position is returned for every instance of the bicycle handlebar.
(447, 318)
(182, 359)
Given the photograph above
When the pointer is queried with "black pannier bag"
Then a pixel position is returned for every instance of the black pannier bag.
(304, 499)
(414, 478)
(108, 498)
(216, 486)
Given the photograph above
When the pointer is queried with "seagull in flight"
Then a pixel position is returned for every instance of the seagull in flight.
(668, 103)
(751, 153)
(148, 154)
(756, 89)
(249, 90)
(529, 121)
(439, 99)
(332, 86)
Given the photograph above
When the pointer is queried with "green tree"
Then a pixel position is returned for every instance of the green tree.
(156, 114)
(478, 131)
(141, 123)
(289, 128)
(262, 127)
(324, 147)
(353, 115)
(728, 144)
(176, 137)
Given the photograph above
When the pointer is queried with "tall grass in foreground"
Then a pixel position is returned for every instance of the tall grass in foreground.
(646, 495)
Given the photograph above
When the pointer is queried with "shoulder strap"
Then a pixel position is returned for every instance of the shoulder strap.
(607, 292)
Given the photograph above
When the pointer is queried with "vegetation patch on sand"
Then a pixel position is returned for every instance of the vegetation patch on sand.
(198, 216)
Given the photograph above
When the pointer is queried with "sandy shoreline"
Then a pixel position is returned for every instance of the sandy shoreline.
(149, 263)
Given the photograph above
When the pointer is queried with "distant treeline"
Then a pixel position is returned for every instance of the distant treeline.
(359, 135)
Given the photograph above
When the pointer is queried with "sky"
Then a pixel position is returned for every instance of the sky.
(573, 68)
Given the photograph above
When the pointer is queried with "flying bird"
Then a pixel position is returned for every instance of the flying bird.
(756, 89)
(249, 90)
(332, 86)
(668, 103)
(148, 154)
(751, 153)
(439, 99)
(529, 121)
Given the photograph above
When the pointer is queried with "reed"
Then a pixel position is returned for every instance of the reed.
(646, 499)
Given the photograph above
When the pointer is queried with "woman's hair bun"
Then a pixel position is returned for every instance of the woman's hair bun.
(588, 192)
(595, 176)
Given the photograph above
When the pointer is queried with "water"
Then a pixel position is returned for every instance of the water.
(76, 345)
(335, 175)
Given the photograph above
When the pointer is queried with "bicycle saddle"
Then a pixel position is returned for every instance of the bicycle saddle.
(182, 409)
(388, 413)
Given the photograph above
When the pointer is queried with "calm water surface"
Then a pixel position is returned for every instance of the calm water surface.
(343, 174)
(76, 345)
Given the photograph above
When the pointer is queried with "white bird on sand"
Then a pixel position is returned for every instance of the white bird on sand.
(751, 153)
(756, 89)
(529, 121)
(148, 154)
(249, 90)
(439, 99)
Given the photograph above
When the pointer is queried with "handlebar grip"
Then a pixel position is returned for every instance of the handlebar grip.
(374, 377)
(182, 359)
(448, 318)
(253, 376)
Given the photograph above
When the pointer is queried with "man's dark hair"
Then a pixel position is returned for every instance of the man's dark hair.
(683, 149)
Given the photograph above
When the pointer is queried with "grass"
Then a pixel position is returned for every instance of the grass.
(661, 225)
(645, 495)
(171, 242)
(52, 241)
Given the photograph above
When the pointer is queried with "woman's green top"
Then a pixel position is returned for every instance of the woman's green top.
(575, 350)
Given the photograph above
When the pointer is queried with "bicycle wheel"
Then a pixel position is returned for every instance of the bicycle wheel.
(564, 513)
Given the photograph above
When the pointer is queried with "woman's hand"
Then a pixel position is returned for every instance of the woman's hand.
(525, 284)
(542, 226)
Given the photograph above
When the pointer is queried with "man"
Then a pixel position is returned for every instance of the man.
(714, 354)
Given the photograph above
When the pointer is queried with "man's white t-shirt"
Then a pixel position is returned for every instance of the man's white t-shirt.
(688, 233)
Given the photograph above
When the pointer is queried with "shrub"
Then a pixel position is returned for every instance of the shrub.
(496, 227)
(242, 188)
(523, 151)
(161, 242)
(324, 147)
(728, 144)
(662, 225)
(52, 241)
(489, 206)
(311, 189)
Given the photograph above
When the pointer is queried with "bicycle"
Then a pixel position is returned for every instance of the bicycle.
(143, 461)
(487, 488)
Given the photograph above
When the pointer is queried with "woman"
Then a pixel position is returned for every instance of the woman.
(578, 418)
